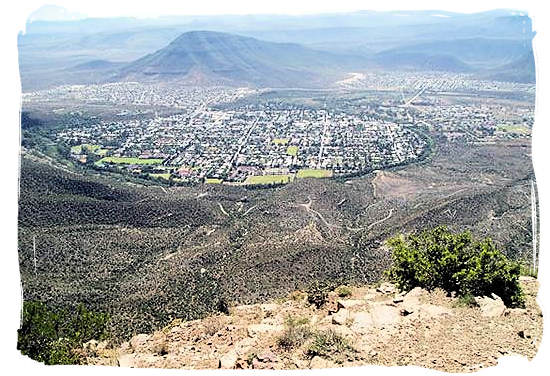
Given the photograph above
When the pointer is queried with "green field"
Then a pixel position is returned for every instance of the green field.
(513, 129)
(280, 141)
(213, 181)
(292, 150)
(129, 160)
(313, 173)
(163, 176)
(268, 179)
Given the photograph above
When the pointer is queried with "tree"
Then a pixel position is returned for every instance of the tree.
(454, 262)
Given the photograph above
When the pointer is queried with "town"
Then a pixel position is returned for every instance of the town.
(238, 136)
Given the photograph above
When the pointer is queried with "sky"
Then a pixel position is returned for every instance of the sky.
(143, 9)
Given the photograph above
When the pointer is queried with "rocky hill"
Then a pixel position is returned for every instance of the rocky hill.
(357, 326)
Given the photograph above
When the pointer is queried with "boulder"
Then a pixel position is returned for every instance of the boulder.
(127, 360)
(384, 315)
(411, 300)
(229, 360)
(340, 317)
(267, 357)
(490, 306)
(90, 345)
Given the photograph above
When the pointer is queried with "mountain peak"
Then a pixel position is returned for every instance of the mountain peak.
(230, 59)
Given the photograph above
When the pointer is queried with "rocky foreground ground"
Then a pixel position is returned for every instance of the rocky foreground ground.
(368, 325)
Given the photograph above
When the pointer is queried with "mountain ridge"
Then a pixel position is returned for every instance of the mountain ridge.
(232, 58)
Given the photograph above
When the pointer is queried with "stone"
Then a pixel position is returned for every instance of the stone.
(318, 362)
(229, 360)
(490, 306)
(340, 317)
(386, 288)
(269, 308)
(102, 345)
(140, 343)
(384, 315)
(267, 356)
(411, 300)
(125, 348)
(259, 329)
(90, 345)
(348, 303)
(362, 322)
(127, 360)
(158, 343)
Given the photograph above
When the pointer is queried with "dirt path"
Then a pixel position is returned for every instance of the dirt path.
(381, 220)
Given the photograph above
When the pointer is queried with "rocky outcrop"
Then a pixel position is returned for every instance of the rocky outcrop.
(490, 306)
(376, 325)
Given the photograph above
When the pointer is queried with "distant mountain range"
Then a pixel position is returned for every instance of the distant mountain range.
(275, 50)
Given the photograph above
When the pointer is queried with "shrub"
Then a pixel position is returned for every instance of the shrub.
(343, 291)
(296, 333)
(317, 293)
(52, 336)
(454, 262)
(467, 300)
(329, 344)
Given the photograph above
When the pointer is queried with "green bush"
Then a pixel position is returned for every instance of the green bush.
(454, 262)
(51, 337)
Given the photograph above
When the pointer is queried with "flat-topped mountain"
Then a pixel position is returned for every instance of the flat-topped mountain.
(206, 56)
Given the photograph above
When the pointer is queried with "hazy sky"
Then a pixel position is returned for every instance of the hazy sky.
(111, 8)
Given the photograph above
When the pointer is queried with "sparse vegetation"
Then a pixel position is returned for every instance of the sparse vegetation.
(467, 300)
(331, 345)
(343, 291)
(454, 262)
(528, 271)
(296, 333)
